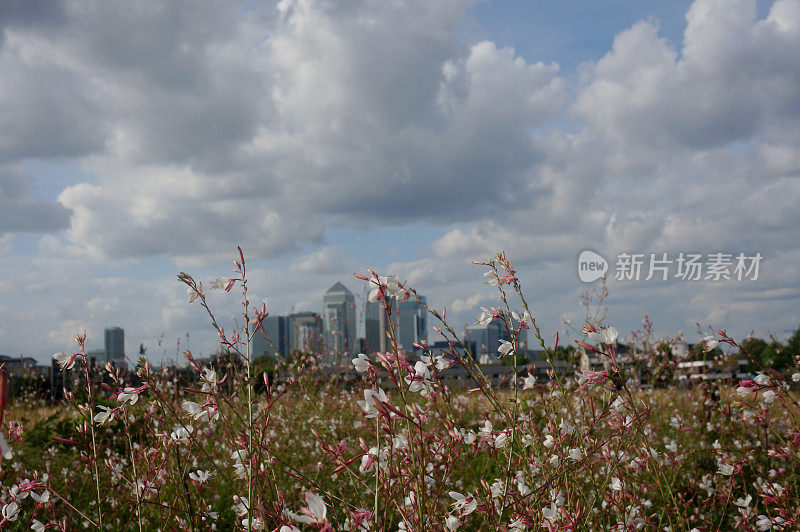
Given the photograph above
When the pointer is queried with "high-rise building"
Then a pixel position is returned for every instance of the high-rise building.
(339, 316)
(487, 338)
(375, 327)
(305, 332)
(115, 345)
(276, 342)
(410, 324)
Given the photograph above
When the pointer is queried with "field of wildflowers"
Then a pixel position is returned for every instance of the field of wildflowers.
(243, 445)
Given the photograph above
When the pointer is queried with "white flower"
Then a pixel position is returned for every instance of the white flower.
(764, 522)
(257, 524)
(606, 335)
(442, 363)
(743, 391)
(10, 511)
(65, 360)
(241, 505)
(220, 283)
(361, 363)
(389, 286)
(550, 513)
(726, 469)
(525, 316)
(710, 343)
(37, 526)
(41, 499)
(238, 457)
(485, 317)
(796, 376)
(616, 484)
(371, 397)
(194, 293)
(200, 476)
(181, 434)
(505, 347)
(209, 380)
(761, 379)
(465, 503)
(517, 525)
(451, 522)
(201, 413)
(575, 454)
(420, 379)
(743, 503)
(529, 382)
(102, 417)
(769, 396)
(315, 512)
(287, 528)
(130, 395)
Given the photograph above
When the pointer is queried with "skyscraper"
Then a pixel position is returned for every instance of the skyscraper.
(305, 332)
(115, 345)
(487, 338)
(339, 317)
(410, 324)
(276, 329)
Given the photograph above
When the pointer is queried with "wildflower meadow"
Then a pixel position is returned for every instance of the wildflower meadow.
(245, 443)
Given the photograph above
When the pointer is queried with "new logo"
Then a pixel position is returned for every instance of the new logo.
(591, 266)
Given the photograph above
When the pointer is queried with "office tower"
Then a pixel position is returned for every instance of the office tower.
(410, 324)
(375, 327)
(339, 315)
(276, 342)
(305, 332)
(487, 338)
(115, 345)
(411, 319)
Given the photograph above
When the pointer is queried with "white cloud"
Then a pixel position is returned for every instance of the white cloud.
(205, 124)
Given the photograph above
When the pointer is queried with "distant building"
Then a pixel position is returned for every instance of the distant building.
(410, 325)
(339, 315)
(487, 339)
(680, 349)
(305, 332)
(442, 348)
(374, 327)
(58, 381)
(273, 338)
(19, 365)
(713, 370)
(115, 345)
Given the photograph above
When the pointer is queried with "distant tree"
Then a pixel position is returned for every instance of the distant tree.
(755, 348)
(568, 354)
(793, 345)
(522, 359)
(769, 355)
(777, 356)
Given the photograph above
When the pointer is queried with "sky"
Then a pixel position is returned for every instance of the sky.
(142, 139)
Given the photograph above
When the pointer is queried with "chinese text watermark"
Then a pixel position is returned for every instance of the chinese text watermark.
(663, 266)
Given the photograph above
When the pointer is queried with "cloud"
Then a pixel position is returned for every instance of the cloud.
(733, 75)
(197, 125)
(19, 213)
(336, 112)
(327, 259)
